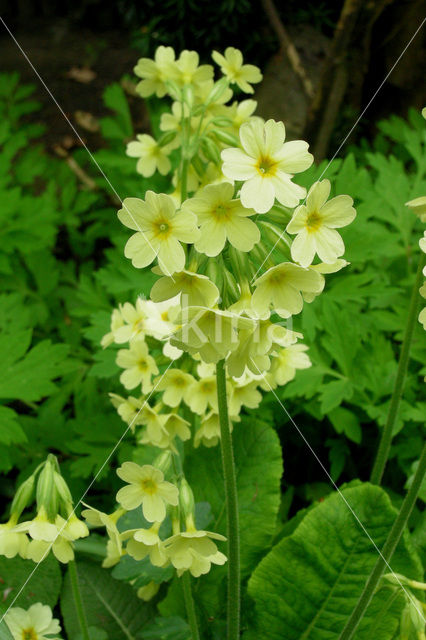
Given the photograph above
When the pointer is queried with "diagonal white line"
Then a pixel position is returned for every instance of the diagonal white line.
(407, 593)
(351, 130)
(93, 159)
(113, 450)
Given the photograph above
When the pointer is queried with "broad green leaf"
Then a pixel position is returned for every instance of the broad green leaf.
(308, 585)
(108, 604)
(39, 583)
(173, 628)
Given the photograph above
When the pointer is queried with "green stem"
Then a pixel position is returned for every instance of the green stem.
(231, 507)
(184, 178)
(387, 551)
(81, 615)
(190, 607)
(386, 438)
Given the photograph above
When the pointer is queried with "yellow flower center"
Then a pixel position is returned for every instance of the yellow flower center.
(313, 221)
(179, 382)
(29, 634)
(266, 167)
(142, 364)
(165, 316)
(162, 228)
(148, 486)
(221, 212)
(207, 387)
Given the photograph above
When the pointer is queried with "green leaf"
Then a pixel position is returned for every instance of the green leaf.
(346, 422)
(39, 583)
(4, 631)
(308, 585)
(31, 377)
(121, 126)
(173, 628)
(108, 603)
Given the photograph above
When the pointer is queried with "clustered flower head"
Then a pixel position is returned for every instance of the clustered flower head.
(163, 507)
(54, 527)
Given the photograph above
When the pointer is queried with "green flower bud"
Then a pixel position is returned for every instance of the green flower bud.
(279, 215)
(217, 91)
(173, 90)
(210, 150)
(230, 290)
(188, 95)
(163, 462)
(214, 271)
(62, 489)
(226, 137)
(186, 499)
(405, 624)
(222, 121)
(46, 493)
(166, 138)
(240, 264)
(416, 615)
(23, 497)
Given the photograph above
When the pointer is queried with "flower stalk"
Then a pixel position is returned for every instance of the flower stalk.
(190, 606)
(78, 602)
(387, 551)
(233, 534)
(386, 438)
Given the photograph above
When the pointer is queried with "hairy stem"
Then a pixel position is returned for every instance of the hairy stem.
(387, 551)
(190, 606)
(386, 438)
(78, 602)
(231, 507)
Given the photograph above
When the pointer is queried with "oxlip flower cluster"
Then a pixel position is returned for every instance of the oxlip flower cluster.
(54, 527)
(160, 504)
(238, 247)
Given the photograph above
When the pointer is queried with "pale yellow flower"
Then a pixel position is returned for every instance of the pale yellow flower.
(152, 157)
(211, 333)
(159, 323)
(231, 65)
(281, 287)
(194, 551)
(148, 591)
(190, 72)
(315, 224)
(134, 318)
(287, 361)
(155, 73)
(138, 364)
(162, 433)
(266, 165)
(175, 384)
(148, 488)
(98, 518)
(160, 230)
(195, 289)
(129, 409)
(418, 206)
(35, 623)
(208, 434)
(202, 394)
(243, 394)
(147, 542)
(56, 536)
(116, 322)
(221, 217)
(12, 543)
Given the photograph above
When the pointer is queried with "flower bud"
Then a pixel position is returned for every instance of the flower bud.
(210, 150)
(222, 121)
(188, 95)
(46, 493)
(163, 462)
(23, 497)
(230, 290)
(166, 138)
(62, 489)
(186, 499)
(148, 591)
(217, 91)
(173, 90)
(226, 137)
(214, 271)
(405, 624)
(416, 616)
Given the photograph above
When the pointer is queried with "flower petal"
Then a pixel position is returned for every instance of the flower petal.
(258, 193)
